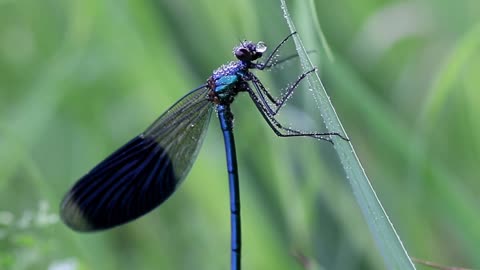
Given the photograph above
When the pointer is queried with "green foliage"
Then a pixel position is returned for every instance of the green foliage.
(80, 78)
(387, 240)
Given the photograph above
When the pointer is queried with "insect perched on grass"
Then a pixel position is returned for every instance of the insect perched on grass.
(144, 172)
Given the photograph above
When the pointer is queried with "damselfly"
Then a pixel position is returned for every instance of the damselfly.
(143, 173)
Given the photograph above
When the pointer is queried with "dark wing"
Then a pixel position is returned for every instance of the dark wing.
(144, 172)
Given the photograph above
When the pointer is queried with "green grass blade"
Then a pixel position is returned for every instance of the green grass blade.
(386, 238)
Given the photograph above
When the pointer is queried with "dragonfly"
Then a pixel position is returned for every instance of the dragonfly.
(147, 170)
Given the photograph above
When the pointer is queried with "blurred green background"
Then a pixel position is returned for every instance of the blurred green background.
(80, 78)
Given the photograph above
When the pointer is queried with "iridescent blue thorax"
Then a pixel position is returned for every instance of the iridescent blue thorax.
(227, 81)
(230, 79)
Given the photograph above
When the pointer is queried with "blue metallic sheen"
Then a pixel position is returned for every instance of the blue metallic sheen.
(225, 116)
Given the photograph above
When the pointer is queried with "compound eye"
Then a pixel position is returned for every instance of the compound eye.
(243, 54)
